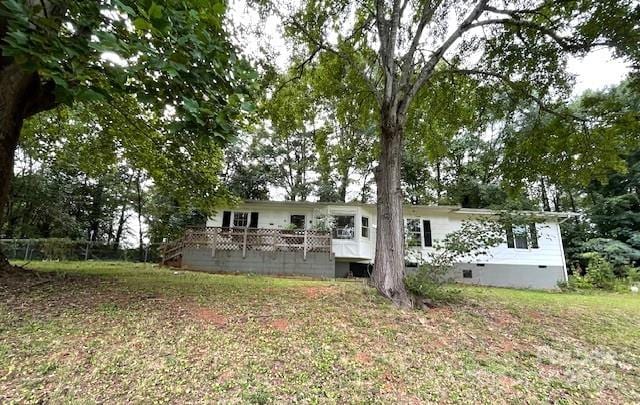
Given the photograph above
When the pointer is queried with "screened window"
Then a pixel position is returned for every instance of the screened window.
(298, 221)
(344, 226)
(240, 219)
(365, 227)
(467, 274)
(414, 233)
(522, 236)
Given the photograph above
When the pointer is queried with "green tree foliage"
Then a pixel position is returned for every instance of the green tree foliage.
(614, 211)
(286, 141)
(166, 62)
(559, 144)
(247, 174)
(173, 53)
(348, 146)
(167, 217)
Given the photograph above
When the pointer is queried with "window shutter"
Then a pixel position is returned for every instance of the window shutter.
(253, 223)
(426, 227)
(226, 219)
(533, 236)
(510, 243)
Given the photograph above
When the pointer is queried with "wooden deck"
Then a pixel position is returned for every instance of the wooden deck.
(243, 239)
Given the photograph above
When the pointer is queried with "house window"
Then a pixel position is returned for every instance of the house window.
(414, 232)
(240, 219)
(343, 226)
(426, 228)
(467, 274)
(522, 236)
(298, 221)
(365, 227)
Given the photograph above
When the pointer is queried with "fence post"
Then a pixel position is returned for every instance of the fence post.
(26, 252)
(244, 243)
(214, 242)
(163, 251)
(86, 252)
(304, 246)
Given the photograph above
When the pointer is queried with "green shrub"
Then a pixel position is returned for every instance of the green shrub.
(429, 281)
(600, 272)
(632, 274)
(577, 282)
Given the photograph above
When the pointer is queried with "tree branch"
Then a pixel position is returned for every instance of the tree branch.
(428, 68)
(299, 69)
(346, 57)
(563, 42)
(505, 79)
(407, 59)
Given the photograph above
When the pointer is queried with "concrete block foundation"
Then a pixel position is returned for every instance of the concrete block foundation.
(316, 264)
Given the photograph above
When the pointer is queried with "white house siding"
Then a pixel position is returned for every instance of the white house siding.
(542, 267)
(548, 253)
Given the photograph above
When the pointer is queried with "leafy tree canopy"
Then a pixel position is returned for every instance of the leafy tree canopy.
(170, 54)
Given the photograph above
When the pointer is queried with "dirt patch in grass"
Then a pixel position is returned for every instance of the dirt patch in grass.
(279, 324)
(364, 358)
(209, 316)
(318, 292)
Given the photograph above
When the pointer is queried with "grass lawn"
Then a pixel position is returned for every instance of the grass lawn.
(119, 332)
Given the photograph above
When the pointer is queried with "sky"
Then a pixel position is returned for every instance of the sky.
(597, 70)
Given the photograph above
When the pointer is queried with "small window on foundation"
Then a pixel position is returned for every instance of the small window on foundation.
(467, 274)
(480, 264)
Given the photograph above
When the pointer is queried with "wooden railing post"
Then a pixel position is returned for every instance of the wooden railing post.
(214, 242)
(244, 243)
(304, 246)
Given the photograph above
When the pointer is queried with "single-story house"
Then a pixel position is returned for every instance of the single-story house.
(287, 237)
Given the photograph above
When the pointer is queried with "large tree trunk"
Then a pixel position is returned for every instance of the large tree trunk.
(344, 183)
(21, 96)
(388, 274)
(9, 134)
(13, 86)
(545, 198)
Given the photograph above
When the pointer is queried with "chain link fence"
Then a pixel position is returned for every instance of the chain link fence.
(67, 249)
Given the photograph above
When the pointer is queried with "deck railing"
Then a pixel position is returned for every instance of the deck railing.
(244, 239)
